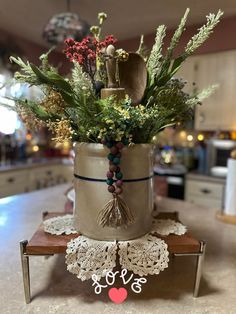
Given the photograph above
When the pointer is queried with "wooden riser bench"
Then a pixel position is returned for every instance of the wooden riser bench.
(44, 244)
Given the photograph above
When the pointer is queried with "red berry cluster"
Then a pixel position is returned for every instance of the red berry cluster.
(85, 51)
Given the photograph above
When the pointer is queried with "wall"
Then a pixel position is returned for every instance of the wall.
(32, 51)
(222, 39)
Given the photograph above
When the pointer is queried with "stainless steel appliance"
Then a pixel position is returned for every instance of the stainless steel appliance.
(218, 152)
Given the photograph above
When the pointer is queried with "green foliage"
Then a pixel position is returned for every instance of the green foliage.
(176, 37)
(34, 107)
(26, 75)
(80, 115)
(154, 61)
(162, 68)
(80, 80)
(204, 32)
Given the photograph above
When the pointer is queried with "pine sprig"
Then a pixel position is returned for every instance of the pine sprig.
(162, 69)
(154, 61)
(202, 95)
(80, 80)
(178, 33)
(27, 75)
(203, 34)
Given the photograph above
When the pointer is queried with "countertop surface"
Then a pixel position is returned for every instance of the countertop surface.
(176, 170)
(54, 290)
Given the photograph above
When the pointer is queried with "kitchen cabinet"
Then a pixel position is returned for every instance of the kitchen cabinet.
(25, 179)
(188, 72)
(218, 112)
(14, 183)
(204, 190)
(49, 176)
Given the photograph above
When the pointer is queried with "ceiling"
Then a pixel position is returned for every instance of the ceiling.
(126, 18)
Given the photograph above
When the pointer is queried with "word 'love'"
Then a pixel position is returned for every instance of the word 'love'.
(110, 278)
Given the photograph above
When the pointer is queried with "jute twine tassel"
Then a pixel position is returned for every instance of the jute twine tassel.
(115, 213)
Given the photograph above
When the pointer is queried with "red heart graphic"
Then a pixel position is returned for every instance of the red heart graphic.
(117, 295)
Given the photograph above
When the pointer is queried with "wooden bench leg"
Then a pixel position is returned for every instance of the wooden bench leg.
(200, 258)
(25, 270)
(199, 267)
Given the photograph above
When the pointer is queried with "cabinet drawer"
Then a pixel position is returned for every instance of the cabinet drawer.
(43, 172)
(204, 189)
(205, 201)
(13, 183)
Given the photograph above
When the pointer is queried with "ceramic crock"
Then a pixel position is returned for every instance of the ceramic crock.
(91, 194)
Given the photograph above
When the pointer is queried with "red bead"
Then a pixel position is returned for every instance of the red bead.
(111, 188)
(110, 174)
(114, 150)
(119, 145)
(118, 155)
(119, 183)
(117, 169)
(113, 168)
(118, 190)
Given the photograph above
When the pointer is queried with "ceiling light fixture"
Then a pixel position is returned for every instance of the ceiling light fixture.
(65, 25)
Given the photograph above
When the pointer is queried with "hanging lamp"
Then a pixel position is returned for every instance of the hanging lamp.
(65, 25)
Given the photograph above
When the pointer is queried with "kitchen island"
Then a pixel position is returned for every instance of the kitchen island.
(57, 291)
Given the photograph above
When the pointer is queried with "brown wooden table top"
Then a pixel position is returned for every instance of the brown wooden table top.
(43, 243)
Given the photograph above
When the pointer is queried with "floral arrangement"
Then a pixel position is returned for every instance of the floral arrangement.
(113, 97)
(72, 107)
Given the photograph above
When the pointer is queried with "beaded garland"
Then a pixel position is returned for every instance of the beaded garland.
(116, 212)
(114, 174)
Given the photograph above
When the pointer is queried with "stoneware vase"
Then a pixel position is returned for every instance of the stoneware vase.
(91, 194)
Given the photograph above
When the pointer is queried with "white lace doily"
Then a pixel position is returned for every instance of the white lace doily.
(144, 256)
(64, 225)
(85, 257)
(147, 255)
(165, 227)
(60, 225)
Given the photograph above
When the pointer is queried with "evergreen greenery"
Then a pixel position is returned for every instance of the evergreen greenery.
(72, 109)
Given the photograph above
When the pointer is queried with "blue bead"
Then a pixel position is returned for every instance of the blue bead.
(125, 141)
(110, 181)
(110, 156)
(109, 144)
(119, 175)
(116, 161)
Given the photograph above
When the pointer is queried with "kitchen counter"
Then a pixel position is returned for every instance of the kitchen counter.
(35, 164)
(57, 291)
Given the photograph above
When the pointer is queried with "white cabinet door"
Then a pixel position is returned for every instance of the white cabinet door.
(46, 176)
(218, 112)
(188, 72)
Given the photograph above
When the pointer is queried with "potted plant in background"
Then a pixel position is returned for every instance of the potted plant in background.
(112, 105)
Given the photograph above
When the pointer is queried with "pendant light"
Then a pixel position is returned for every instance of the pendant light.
(65, 25)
